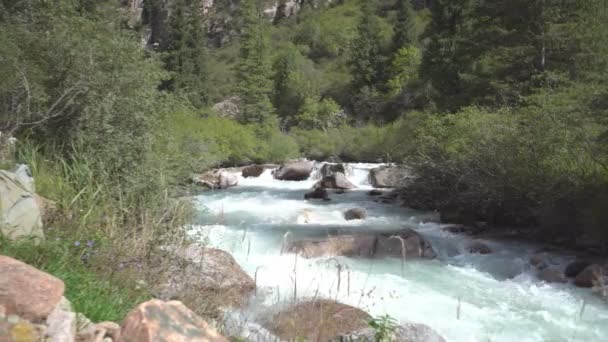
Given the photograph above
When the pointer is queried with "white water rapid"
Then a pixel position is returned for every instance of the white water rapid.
(464, 297)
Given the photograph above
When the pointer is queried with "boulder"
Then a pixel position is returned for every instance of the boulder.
(23, 175)
(216, 179)
(478, 247)
(296, 171)
(366, 245)
(317, 193)
(329, 169)
(61, 326)
(539, 261)
(409, 332)
(26, 291)
(576, 267)
(375, 192)
(157, 320)
(335, 181)
(207, 272)
(317, 320)
(589, 277)
(552, 275)
(253, 171)
(355, 214)
(389, 177)
(20, 215)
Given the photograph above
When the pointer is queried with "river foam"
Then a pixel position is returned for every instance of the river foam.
(465, 297)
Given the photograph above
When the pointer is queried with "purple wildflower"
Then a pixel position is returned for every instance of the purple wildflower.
(90, 243)
(77, 243)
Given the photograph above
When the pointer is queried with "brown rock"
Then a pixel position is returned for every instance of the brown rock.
(479, 248)
(207, 271)
(355, 214)
(156, 320)
(26, 291)
(329, 169)
(576, 267)
(589, 277)
(551, 275)
(317, 193)
(539, 261)
(362, 245)
(253, 171)
(375, 193)
(296, 171)
(389, 177)
(318, 320)
(335, 181)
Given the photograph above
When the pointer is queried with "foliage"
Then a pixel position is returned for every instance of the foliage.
(384, 327)
(404, 69)
(319, 114)
(367, 59)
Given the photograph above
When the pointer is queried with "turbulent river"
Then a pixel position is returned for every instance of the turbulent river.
(464, 297)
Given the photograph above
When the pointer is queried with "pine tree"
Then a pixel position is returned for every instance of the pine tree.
(405, 27)
(367, 59)
(186, 52)
(254, 69)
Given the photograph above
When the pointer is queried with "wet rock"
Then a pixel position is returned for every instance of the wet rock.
(375, 193)
(317, 193)
(206, 272)
(362, 245)
(253, 171)
(157, 320)
(478, 247)
(317, 320)
(61, 326)
(552, 275)
(576, 267)
(389, 177)
(20, 216)
(409, 332)
(26, 291)
(539, 261)
(590, 276)
(216, 179)
(335, 181)
(355, 214)
(329, 169)
(296, 171)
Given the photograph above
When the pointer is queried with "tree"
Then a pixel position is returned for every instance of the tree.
(366, 60)
(253, 70)
(186, 52)
(405, 27)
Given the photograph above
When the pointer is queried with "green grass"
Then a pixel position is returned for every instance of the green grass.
(98, 298)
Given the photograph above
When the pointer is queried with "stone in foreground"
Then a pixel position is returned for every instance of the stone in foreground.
(409, 332)
(317, 320)
(156, 320)
(20, 216)
(26, 291)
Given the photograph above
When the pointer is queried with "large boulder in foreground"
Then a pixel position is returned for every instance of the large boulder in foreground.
(389, 176)
(296, 171)
(207, 274)
(335, 181)
(406, 241)
(318, 320)
(26, 291)
(156, 320)
(408, 332)
(20, 214)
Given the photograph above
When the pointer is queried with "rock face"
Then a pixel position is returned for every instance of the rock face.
(210, 272)
(26, 291)
(551, 275)
(576, 267)
(335, 181)
(317, 193)
(379, 245)
(253, 171)
(355, 214)
(409, 332)
(157, 320)
(297, 171)
(589, 277)
(389, 177)
(318, 320)
(216, 179)
(20, 215)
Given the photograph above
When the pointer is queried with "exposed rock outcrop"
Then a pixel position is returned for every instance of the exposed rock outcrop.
(156, 320)
(389, 177)
(20, 214)
(296, 171)
(371, 245)
(355, 214)
(317, 320)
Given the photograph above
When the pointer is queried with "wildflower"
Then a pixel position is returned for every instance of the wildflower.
(77, 243)
(90, 243)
